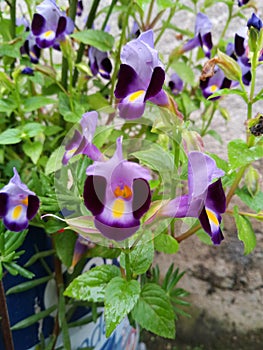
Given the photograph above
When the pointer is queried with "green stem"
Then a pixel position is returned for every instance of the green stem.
(13, 19)
(81, 49)
(149, 14)
(128, 266)
(4, 320)
(235, 184)
(230, 9)
(108, 14)
(171, 14)
(188, 233)
(204, 130)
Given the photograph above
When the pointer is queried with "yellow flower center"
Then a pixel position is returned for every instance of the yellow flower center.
(213, 88)
(118, 208)
(133, 97)
(17, 212)
(48, 33)
(25, 201)
(212, 217)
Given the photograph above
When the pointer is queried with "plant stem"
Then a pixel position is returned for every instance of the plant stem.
(108, 14)
(5, 323)
(81, 49)
(171, 14)
(235, 184)
(188, 233)
(13, 19)
(127, 266)
(149, 14)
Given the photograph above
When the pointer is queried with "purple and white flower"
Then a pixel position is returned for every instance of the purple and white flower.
(140, 78)
(117, 193)
(81, 142)
(216, 82)
(205, 199)
(203, 36)
(50, 25)
(18, 204)
(176, 84)
(99, 63)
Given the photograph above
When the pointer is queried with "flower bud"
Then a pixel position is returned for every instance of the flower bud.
(252, 178)
(229, 66)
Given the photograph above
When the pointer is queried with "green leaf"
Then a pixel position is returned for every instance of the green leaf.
(33, 129)
(22, 287)
(6, 49)
(33, 150)
(33, 319)
(10, 137)
(141, 257)
(103, 252)
(253, 202)
(215, 135)
(64, 244)
(36, 102)
(7, 106)
(97, 101)
(154, 311)
(204, 237)
(245, 231)
(239, 147)
(224, 92)
(156, 158)
(91, 285)
(164, 4)
(96, 38)
(120, 298)
(166, 244)
(54, 162)
(184, 71)
(65, 109)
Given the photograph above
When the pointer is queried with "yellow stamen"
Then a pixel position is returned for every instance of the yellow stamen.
(32, 54)
(17, 212)
(213, 88)
(118, 208)
(212, 217)
(124, 192)
(133, 97)
(25, 201)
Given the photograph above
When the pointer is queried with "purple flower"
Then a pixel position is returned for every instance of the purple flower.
(205, 200)
(203, 36)
(176, 84)
(216, 82)
(99, 63)
(28, 71)
(118, 194)
(50, 25)
(140, 78)
(79, 8)
(18, 204)
(255, 22)
(238, 51)
(31, 49)
(81, 142)
(242, 2)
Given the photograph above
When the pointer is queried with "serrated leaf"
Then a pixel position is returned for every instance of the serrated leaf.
(120, 298)
(245, 231)
(253, 202)
(36, 102)
(91, 285)
(96, 38)
(239, 147)
(33, 150)
(154, 311)
(10, 137)
(54, 162)
(166, 244)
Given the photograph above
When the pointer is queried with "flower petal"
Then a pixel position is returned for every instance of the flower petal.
(38, 24)
(156, 83)
(128, 82)
(210, 222)
(33, 206)
(94, 194)
(3, 204)
(141, 198)
(216, 199)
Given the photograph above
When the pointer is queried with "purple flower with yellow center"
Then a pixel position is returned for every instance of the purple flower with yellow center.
(205, 199)
(140, 78)
(18, 204)
(81, 142)
(99, 63)
(118, 194)
(50, 25)
(176, 84)
(216, 82)
(203, 36)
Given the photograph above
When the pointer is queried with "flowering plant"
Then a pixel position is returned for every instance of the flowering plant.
(103, 147)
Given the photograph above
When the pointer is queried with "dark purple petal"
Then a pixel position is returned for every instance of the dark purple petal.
(15, 226)
(216, 199)
(255, 22)
(33, 206)
(156, 83)
(28, 71)
(226, 84)
(141, 198)
(215, 231)
(239, 45)
(176, 84)
(127, 81)
(133, 110)
(79, 8)
(61, 26)
(105, 68)
(44, 42)
(117, 231)
(242, 2)
(246, 78)
(3, 204)
(38, 24)
(94, 193)
(206, 43)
